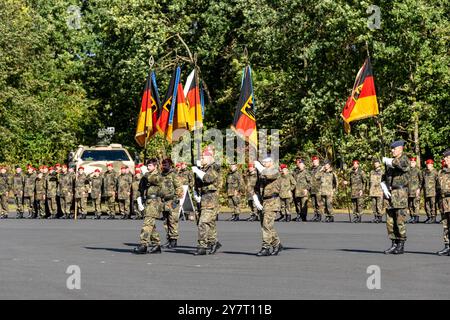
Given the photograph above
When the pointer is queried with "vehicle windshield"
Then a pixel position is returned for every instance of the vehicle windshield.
(104, 155)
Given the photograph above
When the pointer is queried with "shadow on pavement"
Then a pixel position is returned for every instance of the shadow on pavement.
(110, 249)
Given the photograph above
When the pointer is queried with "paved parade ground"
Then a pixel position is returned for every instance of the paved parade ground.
(321, 261)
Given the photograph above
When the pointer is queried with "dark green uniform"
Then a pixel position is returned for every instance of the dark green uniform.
(135, 195)
(171, 191)
(315, 192)
(302, 187)
(96, 184)
(235, 185)
(328, 186)
(5, 185)
(40, 195)
(109, 192)
(17, 188)
(81, 194)
(358, 182)
(270, 190)
(444, 189)
(376, 193)
(149, 191)
(28, 193)
(429, 184)
(287, 186)
(250, 184)
(415, 183)
(51, 187)
(123, 189)
(65, 187)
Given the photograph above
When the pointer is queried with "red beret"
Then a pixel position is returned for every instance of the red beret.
(97, 170)
(413, 159)
(81, 168)
(64, 165)
(137, 171)
(207, 153)
(429, 161)
(355, 161)
(123, 167)
(51, 168)
(57, 165)
(283, 166)
(251, 165)
(109, 165)
(314, 158)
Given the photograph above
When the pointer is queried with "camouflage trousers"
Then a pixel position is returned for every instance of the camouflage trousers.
(66, 204)
(110, 202)
(124, 207)
(316, 203)
(81, 204)
(40, 207)
(18, 200)
(52, 206)
(446, 226)
(269, 234)
(286, 206)
(377, 206)
(97, 204)
(357, 204)
(28, 204)
(171, 215)
(328, 205)
(253, 209)
(149, 235)
(413, 206)
(301, 206)
(4, 205)
(207, 229)
(430, 207)
(396, 224)
(234, 203)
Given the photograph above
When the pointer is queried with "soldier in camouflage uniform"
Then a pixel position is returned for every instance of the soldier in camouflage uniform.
(5, 186)
(65, 189)
(302, 187)
(315, 189)
(96, 184)
(250, 183)
(444, 190)
(123, 189)
(439, 199)
(28, 191)
(81, 193)
(235, 185)
(270, 190)
(358, 182)
(328, 187)
(414, 186)
(287, 186)
(17, 188)
(171, 191)
(51, 187)
(149, 194)
(208, 184)
(40, 194)
(109, 190)
(186, 178)
(429, 183)
(395, 188)
(138, 214)
(375, 191)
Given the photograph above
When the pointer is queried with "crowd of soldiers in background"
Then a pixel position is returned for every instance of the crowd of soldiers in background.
(59, 191)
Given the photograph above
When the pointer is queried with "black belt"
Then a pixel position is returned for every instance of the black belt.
(209, 191)
(152, 196)
(168, 198)
(398, 187)
(271, 197)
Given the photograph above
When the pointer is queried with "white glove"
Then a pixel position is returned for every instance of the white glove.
(256, 202)
(140, 205)
(199, 163)
(198, 172)
(388, 162)
(197, 198)
(144, 170)
(386, 192)
(259, 166)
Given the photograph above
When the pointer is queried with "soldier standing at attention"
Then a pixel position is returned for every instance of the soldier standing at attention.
(5, 186)
(208, 186)
(28, 191)
(250, 183)
(439, 200)
(96, 182)
(138, 214)
(235, 184)
(171, 192)
(187, 179)
(109, 188)
(358, 184)
(302, 186)
(149, 194)
(17, 188)
(395, 188)
(81, 192)
(51, 187)
(287, 186)
(429, 182)
(40, 193)
(328, 186)
(315, 189)
(444, 189)
(66, 182)
(414, 186)
(123, 190)
(375, 191)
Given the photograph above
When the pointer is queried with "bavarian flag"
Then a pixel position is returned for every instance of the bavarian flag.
(178, 118)
(149, 111)
(192, 94)
(163, 121)
(363, 101)
(244, 123)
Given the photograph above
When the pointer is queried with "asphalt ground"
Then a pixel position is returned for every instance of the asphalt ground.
(320, 261)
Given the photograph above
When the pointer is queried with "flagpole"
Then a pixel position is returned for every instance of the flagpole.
(151, 62)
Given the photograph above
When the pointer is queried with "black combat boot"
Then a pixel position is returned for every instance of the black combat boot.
(427, 220)
(276, 250)
(288, 218)
(327, 219)
(216, 246)
(392, 248)
(111, 218)
(155, 249)
(252, 218)
(141, 249)
(83, 216)
(400, 248)
(200, 252)
(319, 218)
(236, 217)
(331, 219)
(281, 217)
(411, 220)
(264, 252)
(314, 219)
(445, 251)
(417, 219)
(298, 218)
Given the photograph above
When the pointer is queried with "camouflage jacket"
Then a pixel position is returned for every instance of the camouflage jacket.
(40, 188)
(135, 186)
(150, 185)
(376, 177)
(186, 178)
(29, 184)
(81, 186)
(303, 182)
(270, 189)
(123, 186)
(358, 182)
(396, 179)
(109, 183)
(51, 185)
(171, 188)
(234, 183)
(65, 186)
(96, 186)
(415, 181)
(250, 183)
(17, 184)
(209, 187)
(444, 182)
(287, 185)
(315, 180)
(328, 183)
(429, 182)
(5, 184)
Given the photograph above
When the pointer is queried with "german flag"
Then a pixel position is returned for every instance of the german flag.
(163, 121)
(363, 101)
(192, 94)
(244, 123)
(149, 111)
(178, 119)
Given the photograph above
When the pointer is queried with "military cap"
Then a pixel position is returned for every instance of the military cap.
(267, 159)
(447, 153)
(57, 165)
(64, 166)
(355, 161)
(137, 171)
(51, 168)
(123, 167)
(315, 158)
(97, 170)
(251, 165)
(443, 164)
(398, 143)
(376, 160)
(283, 166)
(327, 161)
(81, 168)
(429, 161)
(109, 165)
(413, 159)
(207, 153)
(17, 167)
(299, 160)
